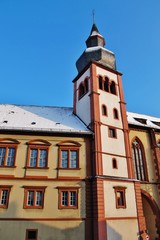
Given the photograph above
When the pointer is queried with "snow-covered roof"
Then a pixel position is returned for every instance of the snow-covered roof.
(95, 33)
(40, 118)
(91, 49)
(143, 120)
(57, 119)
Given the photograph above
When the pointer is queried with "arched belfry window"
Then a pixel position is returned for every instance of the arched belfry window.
(81, 90)
(100, 79)
(113, 87)
(139, 160)
(86, 85)
(106, 84)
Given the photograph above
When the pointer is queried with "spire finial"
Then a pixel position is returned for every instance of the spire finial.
(93, 15)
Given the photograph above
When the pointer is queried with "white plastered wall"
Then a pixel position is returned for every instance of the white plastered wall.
(120, 171)
(110, 200)
(83, 104)
(122, 229)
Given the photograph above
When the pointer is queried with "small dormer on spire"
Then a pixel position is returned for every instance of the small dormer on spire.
(95, 38)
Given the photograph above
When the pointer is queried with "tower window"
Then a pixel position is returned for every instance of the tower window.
(139, 163)
(83, 88)
(112, 132)
(106, 85)
(104, 110)
(113, 88)
(115, 113)
(100, 83)
(114, 163)
(86, 85)
(120, 197)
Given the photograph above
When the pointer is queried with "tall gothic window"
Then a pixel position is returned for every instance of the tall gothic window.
(139, 160)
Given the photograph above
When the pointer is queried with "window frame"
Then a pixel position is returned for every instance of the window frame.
(37, 145)
(114, 131)
(68, 146)
(9, 144)
(33, 189)
(115, 114)
(139, 160)
(4, 188)
(69, 190)
(27, 231)
(122, 191)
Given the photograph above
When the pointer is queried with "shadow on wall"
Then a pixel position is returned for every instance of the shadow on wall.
(113, 235)
(47, 230)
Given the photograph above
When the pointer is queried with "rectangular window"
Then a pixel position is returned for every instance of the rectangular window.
(112, 133)
(68, 198)
(34, 197)
(69, 159)
(37, 158)
(4, 196)
(31, 234)
(120, 197)
(7, 156)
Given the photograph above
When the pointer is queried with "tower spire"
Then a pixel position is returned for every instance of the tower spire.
(95, 51)
(95, 38)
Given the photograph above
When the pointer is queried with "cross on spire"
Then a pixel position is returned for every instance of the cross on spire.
(93, 15)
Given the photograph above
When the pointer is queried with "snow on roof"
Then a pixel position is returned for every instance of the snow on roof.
(95, 33)
(90, 49)
(40, 118)
(56, 119)
(143, 120)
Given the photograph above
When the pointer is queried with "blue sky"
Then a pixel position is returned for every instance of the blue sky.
(40, 41)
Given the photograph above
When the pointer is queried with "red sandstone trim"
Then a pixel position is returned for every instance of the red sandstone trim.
(125, 127)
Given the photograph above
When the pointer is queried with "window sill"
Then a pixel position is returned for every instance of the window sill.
(61, 207)
(60, 168)
(4, 206)
(37, 168)
(32, 207)
(7, 166)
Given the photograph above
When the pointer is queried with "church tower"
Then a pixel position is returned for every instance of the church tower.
(99, 102)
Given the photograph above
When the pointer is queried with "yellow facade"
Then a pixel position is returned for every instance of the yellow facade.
(50, 221)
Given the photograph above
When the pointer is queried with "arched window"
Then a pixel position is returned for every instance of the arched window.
(81, 90)
(114, 163)
(113, 87)
(100, 82)
(115, 113)
(106, 84)
(104, 110)
(139, 160)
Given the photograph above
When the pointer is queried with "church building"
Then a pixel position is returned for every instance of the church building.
(90, 172)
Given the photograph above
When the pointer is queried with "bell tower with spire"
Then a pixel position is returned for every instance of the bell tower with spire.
(99, 103)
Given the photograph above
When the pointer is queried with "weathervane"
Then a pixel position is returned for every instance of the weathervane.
(93, 14)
